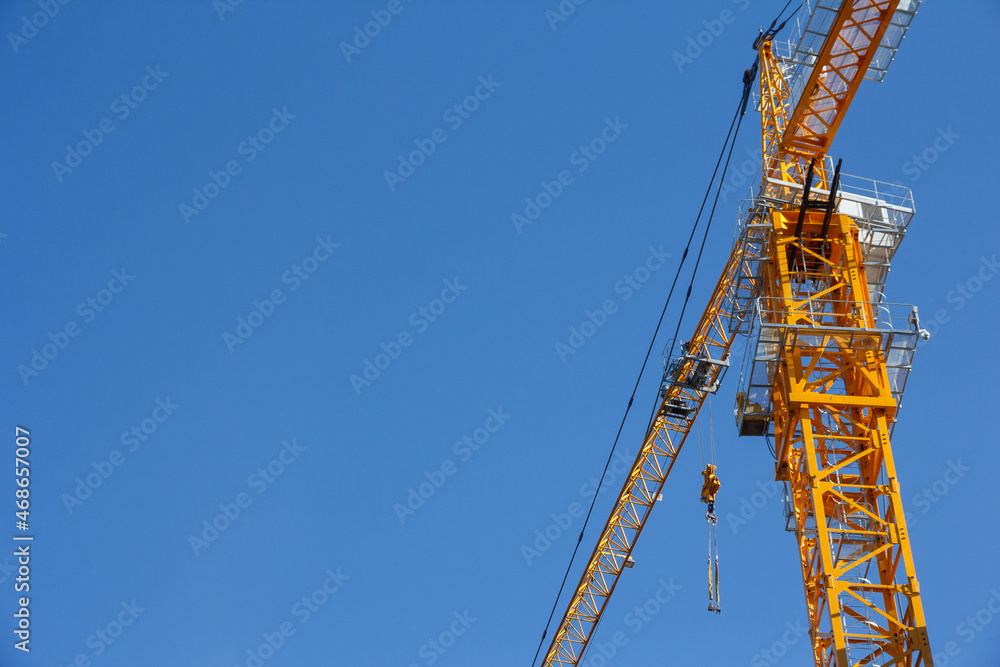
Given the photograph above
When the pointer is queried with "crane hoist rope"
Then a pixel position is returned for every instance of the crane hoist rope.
(819, 358)
(713, 566)
(740, 110)
(710, 487)
(728, 145)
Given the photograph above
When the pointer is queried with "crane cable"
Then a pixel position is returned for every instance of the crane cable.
(711, 487)
(708, 490)
(772, 30)
(749, 76)
(701, 446)
(740, 110)
(713, 572)
(711, 428)
(711, 480)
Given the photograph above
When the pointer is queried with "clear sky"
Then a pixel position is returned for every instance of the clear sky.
(202, 246)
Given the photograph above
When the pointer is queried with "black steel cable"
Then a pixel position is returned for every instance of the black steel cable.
(783, 11)
(741, 108)
(748, 78)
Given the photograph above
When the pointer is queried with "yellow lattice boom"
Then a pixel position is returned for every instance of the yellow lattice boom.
(826, 364)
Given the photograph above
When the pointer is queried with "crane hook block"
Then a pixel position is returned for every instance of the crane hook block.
(711, 485)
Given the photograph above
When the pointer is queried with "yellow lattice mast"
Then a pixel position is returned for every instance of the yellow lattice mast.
(825, 342)
(827, 360)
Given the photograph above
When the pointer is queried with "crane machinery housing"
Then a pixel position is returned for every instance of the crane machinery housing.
(826, 361)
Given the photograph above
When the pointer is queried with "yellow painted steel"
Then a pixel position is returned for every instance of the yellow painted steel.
(832, 401)
(831, 396)
(793, 137)
(840, 66)
(832, 410)
(660, 448)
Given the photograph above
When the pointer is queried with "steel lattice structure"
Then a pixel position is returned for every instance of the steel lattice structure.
(833, 407)
(827, 362)
(698, 369)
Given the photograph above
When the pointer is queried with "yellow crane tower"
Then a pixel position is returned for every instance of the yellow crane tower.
(826, 360)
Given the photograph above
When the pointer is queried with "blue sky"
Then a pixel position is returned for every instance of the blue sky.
(303, 251)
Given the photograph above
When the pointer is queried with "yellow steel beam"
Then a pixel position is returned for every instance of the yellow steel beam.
(840, 66)
(832, 436)
(832, 402)
(832, 405)
(662, 444)
(794, 137)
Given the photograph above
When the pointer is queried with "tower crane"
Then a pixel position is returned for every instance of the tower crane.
(826, 361)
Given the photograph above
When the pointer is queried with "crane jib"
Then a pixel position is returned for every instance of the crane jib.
(826, 362)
